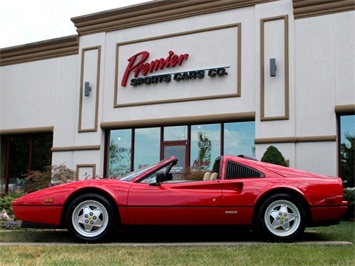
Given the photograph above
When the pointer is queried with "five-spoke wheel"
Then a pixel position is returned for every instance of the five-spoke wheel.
(90, 218)
(281, 218)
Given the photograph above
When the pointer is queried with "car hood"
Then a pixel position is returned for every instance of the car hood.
(56, 195)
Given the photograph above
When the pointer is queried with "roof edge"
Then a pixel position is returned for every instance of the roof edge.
(52, 48)
(312, 8)
(153, 12)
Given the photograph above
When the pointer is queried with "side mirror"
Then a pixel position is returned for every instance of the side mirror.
(161, 177)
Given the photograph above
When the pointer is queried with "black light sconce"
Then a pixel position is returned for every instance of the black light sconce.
(87, 89)
(273, 67)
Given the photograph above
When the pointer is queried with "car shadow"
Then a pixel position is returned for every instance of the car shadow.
(184, 234)
(202, 235)
(169, 235)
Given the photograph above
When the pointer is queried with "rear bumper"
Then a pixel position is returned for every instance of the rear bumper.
(328, 214)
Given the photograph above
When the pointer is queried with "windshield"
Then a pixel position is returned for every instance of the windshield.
(132, 175)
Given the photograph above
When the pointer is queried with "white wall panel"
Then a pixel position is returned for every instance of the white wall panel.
(89, 103)
(315, 80)
(274, 89)
(344, 41)
(317, 157)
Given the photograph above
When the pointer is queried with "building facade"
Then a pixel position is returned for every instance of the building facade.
(195, 79)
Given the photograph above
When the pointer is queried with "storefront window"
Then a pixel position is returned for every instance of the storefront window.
(119, 157)
(347, 147)
(239, 138)
(21, 154)
(42, 144)
(196, 146)
(205, 145)
(146, 147)
(2, 164)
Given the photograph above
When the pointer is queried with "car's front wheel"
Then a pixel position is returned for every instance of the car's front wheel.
(90, 218)
(281, 218)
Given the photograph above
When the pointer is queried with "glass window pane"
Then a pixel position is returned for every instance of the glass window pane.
(42, 154)
(2, 163)
(347, 123)
(239, 138)
(205, 145)
(347, 147)
(19, 157)
(119, 153)
(146, 147)
(175, 133)
(179, 151)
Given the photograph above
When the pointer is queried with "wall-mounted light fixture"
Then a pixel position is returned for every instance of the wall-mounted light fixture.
(87, 89)
(273, 67)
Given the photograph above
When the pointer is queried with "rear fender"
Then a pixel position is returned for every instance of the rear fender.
(290, 191)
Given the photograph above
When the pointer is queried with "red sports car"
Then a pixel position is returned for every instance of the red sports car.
(277, 201)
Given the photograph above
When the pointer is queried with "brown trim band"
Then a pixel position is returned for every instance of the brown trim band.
(311, 8)
(30, 130)
(153, 12)
(295, 139)
(76, 148)
(58, 47)
(191, 99)
(345, 109)
(179, 120)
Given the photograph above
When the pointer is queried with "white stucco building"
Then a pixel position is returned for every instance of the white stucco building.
(172, 77)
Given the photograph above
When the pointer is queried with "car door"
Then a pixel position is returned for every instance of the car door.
(240, 186)
(176, 203)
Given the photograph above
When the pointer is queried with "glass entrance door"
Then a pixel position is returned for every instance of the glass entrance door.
(179, 150)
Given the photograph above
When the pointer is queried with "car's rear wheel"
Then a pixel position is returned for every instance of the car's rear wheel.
(90, 218)
(281, 218)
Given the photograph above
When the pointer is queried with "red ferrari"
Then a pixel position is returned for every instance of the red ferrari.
(277, 201)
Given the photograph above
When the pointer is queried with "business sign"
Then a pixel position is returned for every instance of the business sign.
(144, 72)
(197, 65)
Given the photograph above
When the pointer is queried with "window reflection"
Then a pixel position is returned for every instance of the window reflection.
(205, 145)
(146, 147)
(347, 147)
(175, 133)
(239, 138)
(119, 157)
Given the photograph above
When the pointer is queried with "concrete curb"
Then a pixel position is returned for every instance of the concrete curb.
(177, 244)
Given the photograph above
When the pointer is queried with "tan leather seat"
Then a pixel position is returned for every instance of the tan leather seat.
(214, 176)
(206, 176)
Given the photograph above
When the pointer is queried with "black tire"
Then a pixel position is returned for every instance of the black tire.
(90, 218)
(280, 218)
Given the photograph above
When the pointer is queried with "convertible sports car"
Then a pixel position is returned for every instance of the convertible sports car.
(278, 202)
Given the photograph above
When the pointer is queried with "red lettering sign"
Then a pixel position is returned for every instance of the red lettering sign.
(137, 64)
